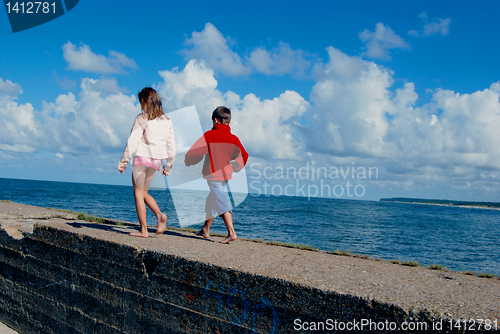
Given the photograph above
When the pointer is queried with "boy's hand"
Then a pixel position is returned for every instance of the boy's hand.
(237, 164)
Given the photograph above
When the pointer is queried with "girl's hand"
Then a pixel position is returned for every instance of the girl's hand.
(167, 168)
(122, 168)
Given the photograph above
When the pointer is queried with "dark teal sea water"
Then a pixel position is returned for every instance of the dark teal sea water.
(458, 238)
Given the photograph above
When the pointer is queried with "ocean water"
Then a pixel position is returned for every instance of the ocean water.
(461, 239)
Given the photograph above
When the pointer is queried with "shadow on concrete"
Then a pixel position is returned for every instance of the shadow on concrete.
(97, 226)
(127, 229)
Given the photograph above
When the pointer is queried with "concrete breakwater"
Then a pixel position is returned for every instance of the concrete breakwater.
(59, 274)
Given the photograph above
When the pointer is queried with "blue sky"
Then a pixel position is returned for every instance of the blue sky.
(411, 89)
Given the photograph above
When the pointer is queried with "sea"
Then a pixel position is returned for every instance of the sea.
(458, 238)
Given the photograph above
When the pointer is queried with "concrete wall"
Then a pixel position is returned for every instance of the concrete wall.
(55, 281)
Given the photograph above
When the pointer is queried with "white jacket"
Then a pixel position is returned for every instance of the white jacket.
(148, 139)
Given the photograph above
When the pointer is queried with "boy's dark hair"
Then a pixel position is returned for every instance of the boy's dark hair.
(223, 114)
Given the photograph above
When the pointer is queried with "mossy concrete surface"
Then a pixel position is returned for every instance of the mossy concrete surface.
(61, 275)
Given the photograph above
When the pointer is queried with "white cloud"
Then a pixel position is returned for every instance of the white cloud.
(432, 27)
(8, 88)
(467, 126)
(65, 82)
(211, 46)
(98, 121)
(104, 86)
(281, 60)
(450, 141)
(120, 59)
(347, 117)
(351, 99)
(264, 127)
(354, 115)
(267, 127)
(381, 41)
(19, 127)
(22, 148)
(83, 59)
(194, 85)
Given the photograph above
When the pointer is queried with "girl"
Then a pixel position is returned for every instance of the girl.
(152, 130)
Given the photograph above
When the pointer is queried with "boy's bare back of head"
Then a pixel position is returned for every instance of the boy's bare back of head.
(222, 114)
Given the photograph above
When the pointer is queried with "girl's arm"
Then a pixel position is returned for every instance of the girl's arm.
(133, 141)
(169, 164)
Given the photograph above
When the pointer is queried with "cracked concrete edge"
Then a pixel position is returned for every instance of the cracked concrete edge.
(4, 329)
(18, 220)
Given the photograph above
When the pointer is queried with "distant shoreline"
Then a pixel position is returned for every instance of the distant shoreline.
(439, 202)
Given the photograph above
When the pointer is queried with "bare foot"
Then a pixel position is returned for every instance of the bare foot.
(162, 224)
(229, 239)
(139, 234)
(202, 234)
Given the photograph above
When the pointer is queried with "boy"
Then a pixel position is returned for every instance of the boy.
(223, 154)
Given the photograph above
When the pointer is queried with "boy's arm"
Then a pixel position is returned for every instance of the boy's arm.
(196, 152)
(240, 159)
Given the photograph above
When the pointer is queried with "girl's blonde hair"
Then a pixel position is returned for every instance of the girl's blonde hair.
(150, 103)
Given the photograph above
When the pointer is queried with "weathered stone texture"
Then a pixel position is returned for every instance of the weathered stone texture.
(57, 279)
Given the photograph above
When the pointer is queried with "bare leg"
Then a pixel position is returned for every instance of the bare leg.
(231, 234)
(140, 208)
(161, 218)
(205, 231)
(141, 179)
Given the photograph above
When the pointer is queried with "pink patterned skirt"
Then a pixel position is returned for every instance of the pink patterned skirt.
(148, 162)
